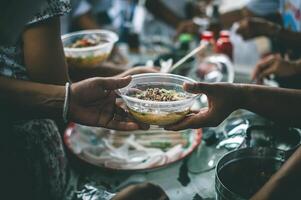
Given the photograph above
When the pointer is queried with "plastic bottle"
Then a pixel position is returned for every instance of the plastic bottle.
(224, 44)
(207, 37)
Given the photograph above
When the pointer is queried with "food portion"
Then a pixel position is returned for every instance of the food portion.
(161, 119)
(92, 60)
(157, 94)
(87, 41)
(158, 98)
(154, 115)
(87, 50)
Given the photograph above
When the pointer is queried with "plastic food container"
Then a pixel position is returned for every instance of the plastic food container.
(90, 55)
(158, 112)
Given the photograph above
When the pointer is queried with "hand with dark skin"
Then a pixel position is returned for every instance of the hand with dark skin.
(145, 191)
(278, 104)
(92, 102)
(277, 66)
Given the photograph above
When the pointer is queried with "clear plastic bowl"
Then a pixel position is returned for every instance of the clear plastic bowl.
(88, 56)
(158, 112)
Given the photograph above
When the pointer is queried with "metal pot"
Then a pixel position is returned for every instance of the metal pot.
(241, 173)
(280, 138)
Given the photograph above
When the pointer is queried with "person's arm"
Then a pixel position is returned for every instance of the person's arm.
(228, 18)
(285, 183)
(278, 104)
(28, 100)
(43, 52)
(92, 102)
(277, 66)
(254, 27)
(160, 11)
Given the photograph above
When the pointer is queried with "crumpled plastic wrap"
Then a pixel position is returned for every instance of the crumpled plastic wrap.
(92, 193)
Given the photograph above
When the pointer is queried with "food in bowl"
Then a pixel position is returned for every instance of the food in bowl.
(159, 94)
(157, 118)
(158, 98)
(88, 41)
(88, 48)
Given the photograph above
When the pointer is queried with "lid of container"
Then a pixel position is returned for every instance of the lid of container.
(207, 35)
(185, 37)
(224, 34)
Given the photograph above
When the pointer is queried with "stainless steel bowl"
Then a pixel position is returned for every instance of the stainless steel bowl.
(280, 138)
(241, 173)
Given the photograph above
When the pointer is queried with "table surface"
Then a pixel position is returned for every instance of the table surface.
(176, 179)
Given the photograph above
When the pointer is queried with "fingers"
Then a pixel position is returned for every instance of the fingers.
(201, 119)
(119, 119)
(113, 83)
(262, 66)
(266, 73)
(197, 87)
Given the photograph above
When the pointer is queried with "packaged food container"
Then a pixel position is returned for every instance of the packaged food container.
(89, 47)
(158, 112)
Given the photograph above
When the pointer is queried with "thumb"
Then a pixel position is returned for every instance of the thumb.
(197, 87)
(114, 83)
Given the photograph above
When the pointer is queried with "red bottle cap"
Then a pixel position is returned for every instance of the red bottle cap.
(224, 34)
(207, 35)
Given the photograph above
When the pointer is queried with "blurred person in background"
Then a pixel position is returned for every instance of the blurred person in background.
(285, 39)
(278, 20)
(33, 72)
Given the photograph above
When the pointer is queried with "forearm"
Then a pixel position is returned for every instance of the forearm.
(159, 10)
(105, 70)
(284, 184)
(28, 100)
(228, 18)
(43, 53)
(278, 104)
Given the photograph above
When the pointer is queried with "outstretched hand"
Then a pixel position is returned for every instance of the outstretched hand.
(93, 103)
(275, 65)
(223, 99)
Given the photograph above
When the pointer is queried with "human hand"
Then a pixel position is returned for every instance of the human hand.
(223, 99)
(253, 27)
(145, 191)
(276, 65)
(139, 70)
(93, 103)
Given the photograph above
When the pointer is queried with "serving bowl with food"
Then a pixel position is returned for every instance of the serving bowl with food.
(89, 47)
(158, 98)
